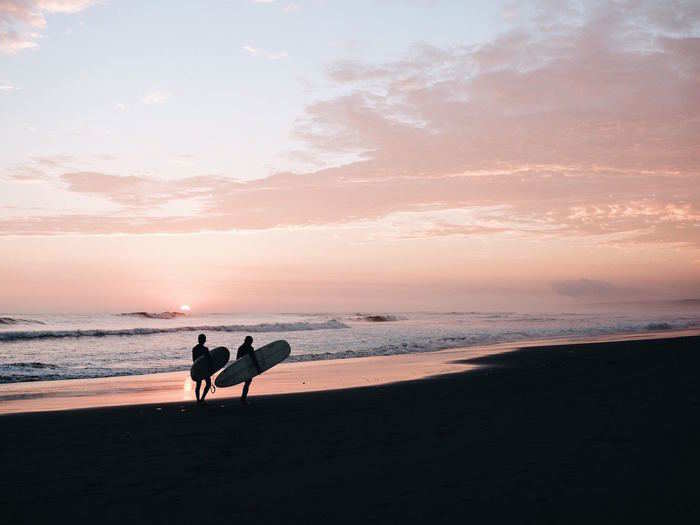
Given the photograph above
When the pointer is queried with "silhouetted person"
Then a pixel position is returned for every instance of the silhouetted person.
(197, 352)
(247, 349)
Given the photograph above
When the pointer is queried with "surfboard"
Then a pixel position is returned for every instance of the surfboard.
(243, 369)
(200, 368)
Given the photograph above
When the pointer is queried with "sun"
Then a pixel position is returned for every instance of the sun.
(185, 308)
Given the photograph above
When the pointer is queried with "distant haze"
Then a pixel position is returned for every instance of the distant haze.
(311, 156)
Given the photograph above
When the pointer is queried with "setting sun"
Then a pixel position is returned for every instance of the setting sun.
(185, 308)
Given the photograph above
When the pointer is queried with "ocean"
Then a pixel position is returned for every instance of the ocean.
(50, 347)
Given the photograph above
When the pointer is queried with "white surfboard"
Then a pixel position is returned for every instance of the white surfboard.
(243, 369)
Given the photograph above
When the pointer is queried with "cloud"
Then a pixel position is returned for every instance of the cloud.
(254, 51)
(40, 168)
(581, 124)
(64, 6)
(21, 21)
(138, 191)
(53, 161)
(6, 88)
(25, 174)
(11, 41)
(154, 97)
(528, 202)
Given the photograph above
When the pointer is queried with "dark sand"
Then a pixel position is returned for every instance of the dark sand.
(606, 432)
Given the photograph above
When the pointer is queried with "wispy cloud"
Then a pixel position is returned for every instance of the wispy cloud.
(41, 168)
(26, 174)
(155, 97)
(22, 21)
(143, 191)
(288, 7)
(12, 41)
(6, 88)
(254, 51)
(53, 161)
(530, 203)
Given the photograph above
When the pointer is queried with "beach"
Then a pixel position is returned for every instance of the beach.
(603, 431)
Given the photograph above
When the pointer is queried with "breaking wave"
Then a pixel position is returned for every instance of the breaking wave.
(32, 365)
(150, 315)
(61, 351)
(31, 371)
(658, 326)
(13, 321)
(254, 328)
(376, 318)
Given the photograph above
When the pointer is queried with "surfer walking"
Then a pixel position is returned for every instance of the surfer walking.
(198, 351)
(247, 349)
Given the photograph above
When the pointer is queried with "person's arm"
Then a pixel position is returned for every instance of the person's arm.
(255, 360)
(209, 358)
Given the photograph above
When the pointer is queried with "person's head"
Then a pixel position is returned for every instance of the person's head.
(202, 339)
(248, 340)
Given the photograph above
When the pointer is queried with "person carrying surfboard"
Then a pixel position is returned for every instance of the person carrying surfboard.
(198, 351)
(247, 349)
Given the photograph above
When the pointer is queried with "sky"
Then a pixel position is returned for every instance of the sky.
(316, 155)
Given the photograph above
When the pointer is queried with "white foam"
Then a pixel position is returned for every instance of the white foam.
(125, 332)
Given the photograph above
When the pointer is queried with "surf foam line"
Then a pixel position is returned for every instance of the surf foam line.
(13, 320)
(255, 328)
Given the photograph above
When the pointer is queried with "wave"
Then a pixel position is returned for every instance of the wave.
(31, 365)
(149, 315)
(137, 357)
(31, 371)
(255, 328)
(13, 321)
(375, 318)
(22, 378)
(658, 326)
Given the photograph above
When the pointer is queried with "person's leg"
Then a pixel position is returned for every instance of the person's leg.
(196, 390)
(206, 388)
(244, 395)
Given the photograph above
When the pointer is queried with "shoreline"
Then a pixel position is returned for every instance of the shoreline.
(580, 433)
(286, 378)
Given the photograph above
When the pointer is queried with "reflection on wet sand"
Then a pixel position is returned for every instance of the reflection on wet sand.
(286, 378)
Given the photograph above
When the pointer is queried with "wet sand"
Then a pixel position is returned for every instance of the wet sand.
(287, 378)
(568, 433)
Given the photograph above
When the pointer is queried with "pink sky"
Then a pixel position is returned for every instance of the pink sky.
(556, 163)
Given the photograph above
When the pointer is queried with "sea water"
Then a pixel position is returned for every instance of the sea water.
(49, 347)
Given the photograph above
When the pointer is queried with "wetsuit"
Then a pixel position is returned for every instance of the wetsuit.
(244, 350)
(197, 352)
